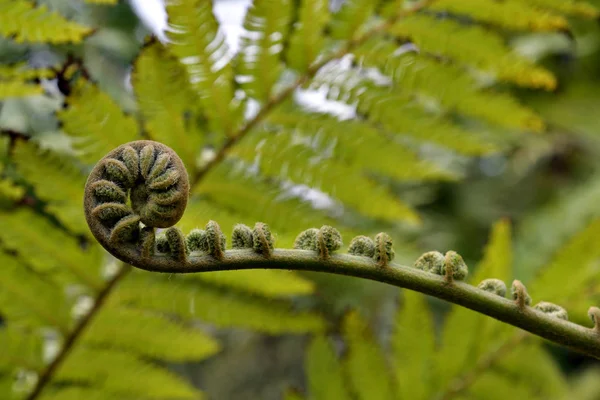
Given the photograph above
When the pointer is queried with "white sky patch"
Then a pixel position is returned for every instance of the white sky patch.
(153, 15)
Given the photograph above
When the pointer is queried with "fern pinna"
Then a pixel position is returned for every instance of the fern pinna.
(72, 316)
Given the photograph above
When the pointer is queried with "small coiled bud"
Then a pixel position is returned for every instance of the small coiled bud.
(241, 238)
(594, 314)
(454, 267)
(147, 241)
(263, 242)
(215, 240)
(329, 240)
(362, 246)
(552, 310)
(162, 245)
(307, 240)
(432, 262)
(196, 240)
(384, 251)
(495, 286)
(177, 245)
(520, 295)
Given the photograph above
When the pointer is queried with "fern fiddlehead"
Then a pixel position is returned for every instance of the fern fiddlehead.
(143, 185)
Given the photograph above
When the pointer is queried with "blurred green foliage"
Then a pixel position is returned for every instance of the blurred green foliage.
(484, 141)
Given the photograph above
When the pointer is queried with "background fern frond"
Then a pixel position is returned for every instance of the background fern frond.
(28, 299)
(15, 88)
(260, 64)
(349, 21)
(574, 7)
(96, 122)
(167, 103)
(378, 106)
(290, 155)
(413, 344)
(511, 14)
(223, 309)
(575, 265)
(307, 40)
(367, 383)
(453, 87)
(268, 283)
(220, 193)
(123, 374)
(29, 23)
(201, 48)
(56, 180)
(9, 191)
(324, 371)
(21, 346)
(37, 243)
(119, 328)
(473, 46)
(467, 336)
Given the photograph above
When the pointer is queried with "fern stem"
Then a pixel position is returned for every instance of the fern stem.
(46, 377)
(289, 90)
(559, 331)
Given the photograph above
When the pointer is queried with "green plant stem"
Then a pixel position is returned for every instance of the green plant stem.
(70, 341)
(283, 95)
(565, 333)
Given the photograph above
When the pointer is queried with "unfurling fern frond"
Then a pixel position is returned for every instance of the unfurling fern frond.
(260, 62)
(29, 23)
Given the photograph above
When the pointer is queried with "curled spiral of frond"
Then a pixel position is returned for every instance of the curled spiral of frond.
(142, 185)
